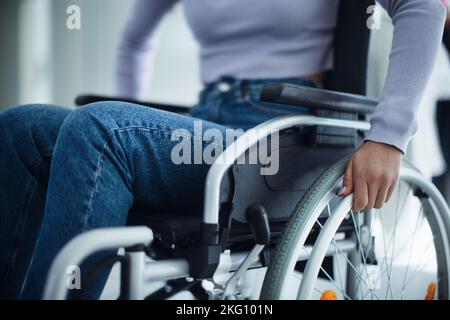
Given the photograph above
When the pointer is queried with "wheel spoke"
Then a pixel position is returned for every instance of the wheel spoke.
(410, 252)
(393, 245)
(398, 214)
(357, 229)
(422, 266)
(341, 281)
(360, 277)
(332, 280)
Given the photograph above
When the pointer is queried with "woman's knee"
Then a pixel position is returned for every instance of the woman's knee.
(28, 133)
(17, 117)
(92, 117)
(101, 118)
(31, 119)
(88, 125)
(96, 123)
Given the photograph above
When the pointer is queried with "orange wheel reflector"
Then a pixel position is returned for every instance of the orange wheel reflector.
(328, 295)
(431, 291)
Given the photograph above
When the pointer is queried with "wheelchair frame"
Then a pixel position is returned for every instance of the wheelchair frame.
(349, 51)
(134, 238)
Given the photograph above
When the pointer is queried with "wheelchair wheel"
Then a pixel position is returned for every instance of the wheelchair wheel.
(399, 252)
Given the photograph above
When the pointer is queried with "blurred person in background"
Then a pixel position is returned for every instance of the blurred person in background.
(65, 172)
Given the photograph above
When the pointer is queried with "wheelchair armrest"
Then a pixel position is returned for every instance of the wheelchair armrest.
(87, 99)
(317, 98)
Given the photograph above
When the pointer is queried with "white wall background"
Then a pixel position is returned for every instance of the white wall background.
(9, 34)
(57, 64)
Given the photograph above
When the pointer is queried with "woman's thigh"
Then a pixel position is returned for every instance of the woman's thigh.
(161, 158)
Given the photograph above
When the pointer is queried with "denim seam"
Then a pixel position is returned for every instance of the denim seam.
(168, 132)
(100, 161)
(22, 221)
(101, 157)
(38, 163)
(41, 159)
(20, 234)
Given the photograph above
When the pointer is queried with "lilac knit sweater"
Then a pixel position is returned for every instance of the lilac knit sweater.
(249, 39)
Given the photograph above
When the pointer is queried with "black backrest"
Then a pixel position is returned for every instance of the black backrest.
(351, 47)
(349, 74)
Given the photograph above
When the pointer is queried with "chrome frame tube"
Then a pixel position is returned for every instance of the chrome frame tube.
(252, 257)
(165, 270)
(85, 245)
(136, 275)
(249, 139)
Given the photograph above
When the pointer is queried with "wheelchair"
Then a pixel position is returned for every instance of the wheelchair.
(292, 225)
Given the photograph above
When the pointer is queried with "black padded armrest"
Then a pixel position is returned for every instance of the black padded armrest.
(87, 99)
(317, 98)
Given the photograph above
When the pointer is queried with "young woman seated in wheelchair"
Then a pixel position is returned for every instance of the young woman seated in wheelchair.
(64, 172)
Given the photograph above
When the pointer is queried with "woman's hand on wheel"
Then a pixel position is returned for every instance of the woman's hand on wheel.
(371, 175)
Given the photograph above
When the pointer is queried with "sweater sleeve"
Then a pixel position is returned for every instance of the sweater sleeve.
(135, 49)
(418, 27)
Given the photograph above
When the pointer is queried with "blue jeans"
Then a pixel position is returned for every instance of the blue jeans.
(64, 172)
